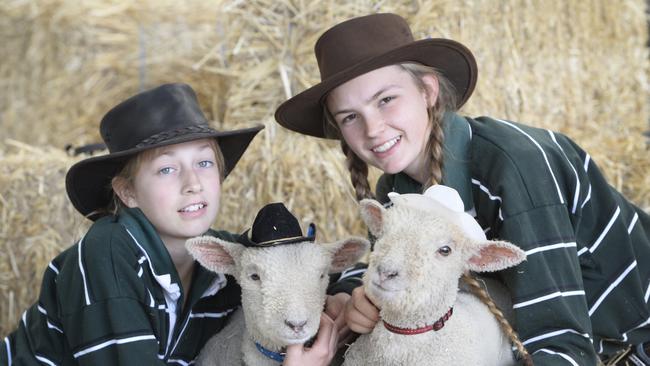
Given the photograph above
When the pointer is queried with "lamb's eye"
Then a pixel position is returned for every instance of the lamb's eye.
(255, 277)
(444, 251)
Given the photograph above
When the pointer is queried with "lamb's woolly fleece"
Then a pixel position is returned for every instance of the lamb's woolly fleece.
(425, 243)
(291, 288)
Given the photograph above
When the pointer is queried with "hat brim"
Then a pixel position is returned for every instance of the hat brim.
(88, 181)
(245, 240)
(303, 113)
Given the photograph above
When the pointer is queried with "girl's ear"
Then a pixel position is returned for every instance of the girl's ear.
(124, 191)
(431, 88)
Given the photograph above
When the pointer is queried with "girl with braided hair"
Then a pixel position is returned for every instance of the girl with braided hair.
(582, 294)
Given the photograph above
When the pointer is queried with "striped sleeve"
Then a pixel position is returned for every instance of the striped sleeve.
(525, 188)
(114, 311)
(548, 296)
(583, 286)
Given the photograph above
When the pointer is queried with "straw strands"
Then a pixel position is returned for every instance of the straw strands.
(579, 67)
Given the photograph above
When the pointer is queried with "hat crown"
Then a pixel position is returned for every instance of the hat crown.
(273, 225)
(153, 116)
(360, 39)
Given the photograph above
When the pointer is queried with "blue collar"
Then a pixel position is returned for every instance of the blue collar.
(275, 356)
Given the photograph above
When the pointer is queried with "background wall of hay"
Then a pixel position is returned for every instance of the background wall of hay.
(579, 67)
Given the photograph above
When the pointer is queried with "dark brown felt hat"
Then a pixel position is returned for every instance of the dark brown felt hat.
(165, 115)
(366, 43)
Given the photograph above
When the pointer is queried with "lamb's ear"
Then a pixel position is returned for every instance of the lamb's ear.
(492, 255)
(347, 252)
(214, 254)
(372, 213)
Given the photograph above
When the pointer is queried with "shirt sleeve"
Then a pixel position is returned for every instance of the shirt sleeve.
(347, 280)
(116, 331)
(552, 317)
(112, 311)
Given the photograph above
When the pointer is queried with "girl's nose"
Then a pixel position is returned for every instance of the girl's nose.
(191, 183)
(375, 126)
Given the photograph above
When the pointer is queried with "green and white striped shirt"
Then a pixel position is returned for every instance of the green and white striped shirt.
(584, 287)
(115, 298)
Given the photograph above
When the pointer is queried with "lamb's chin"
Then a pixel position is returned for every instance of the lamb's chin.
(379, 294)
(291, 340)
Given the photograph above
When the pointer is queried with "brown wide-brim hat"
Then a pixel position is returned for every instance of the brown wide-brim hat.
(165, 115)
(359, 45)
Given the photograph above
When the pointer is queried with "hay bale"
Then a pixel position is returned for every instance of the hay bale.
(577, 67)
(36, 223)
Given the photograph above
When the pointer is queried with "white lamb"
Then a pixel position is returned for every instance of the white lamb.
(425, 243)
(283, 293)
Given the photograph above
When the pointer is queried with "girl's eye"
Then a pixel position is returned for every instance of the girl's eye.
(444, 251)
(385, 100)
(348, 118)
(206, 164)
(166, 170)
(255, 277)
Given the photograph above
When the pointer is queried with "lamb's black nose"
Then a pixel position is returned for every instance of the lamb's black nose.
(295, 325)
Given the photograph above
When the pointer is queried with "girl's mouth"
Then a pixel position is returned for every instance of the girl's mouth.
(386, 145)
(193, 207)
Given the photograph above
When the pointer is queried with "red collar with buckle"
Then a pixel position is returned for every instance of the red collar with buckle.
(411, 331)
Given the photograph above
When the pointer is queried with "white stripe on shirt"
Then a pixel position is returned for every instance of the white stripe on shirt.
(9, 357)
(83, 273)
(112, 342)
(49, 325)
(576, 196)
(490, 195)
(211, 315)
(53, 268)
(624, 335)
(551, 247)
(181, 362)
(563, 355)
(595, 245)
(553, 334)
(347, 273)
(192, 315)
(548, 297)
(586, 198)
(586, 167)
(44, 360)
(612, 287)
(633, 222)
(548, 165)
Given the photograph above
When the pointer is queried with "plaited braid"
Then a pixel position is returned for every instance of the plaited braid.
(358, 173)
(434, 148)
(446, 101)
(483, 295)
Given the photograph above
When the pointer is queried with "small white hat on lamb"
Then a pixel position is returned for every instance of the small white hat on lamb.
(445, 199)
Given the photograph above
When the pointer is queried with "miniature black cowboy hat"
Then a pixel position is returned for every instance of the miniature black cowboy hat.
(359, 45)
(274, 225)
(165, 115)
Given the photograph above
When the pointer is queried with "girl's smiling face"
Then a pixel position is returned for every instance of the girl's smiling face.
(178, 189)
(383, 117)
